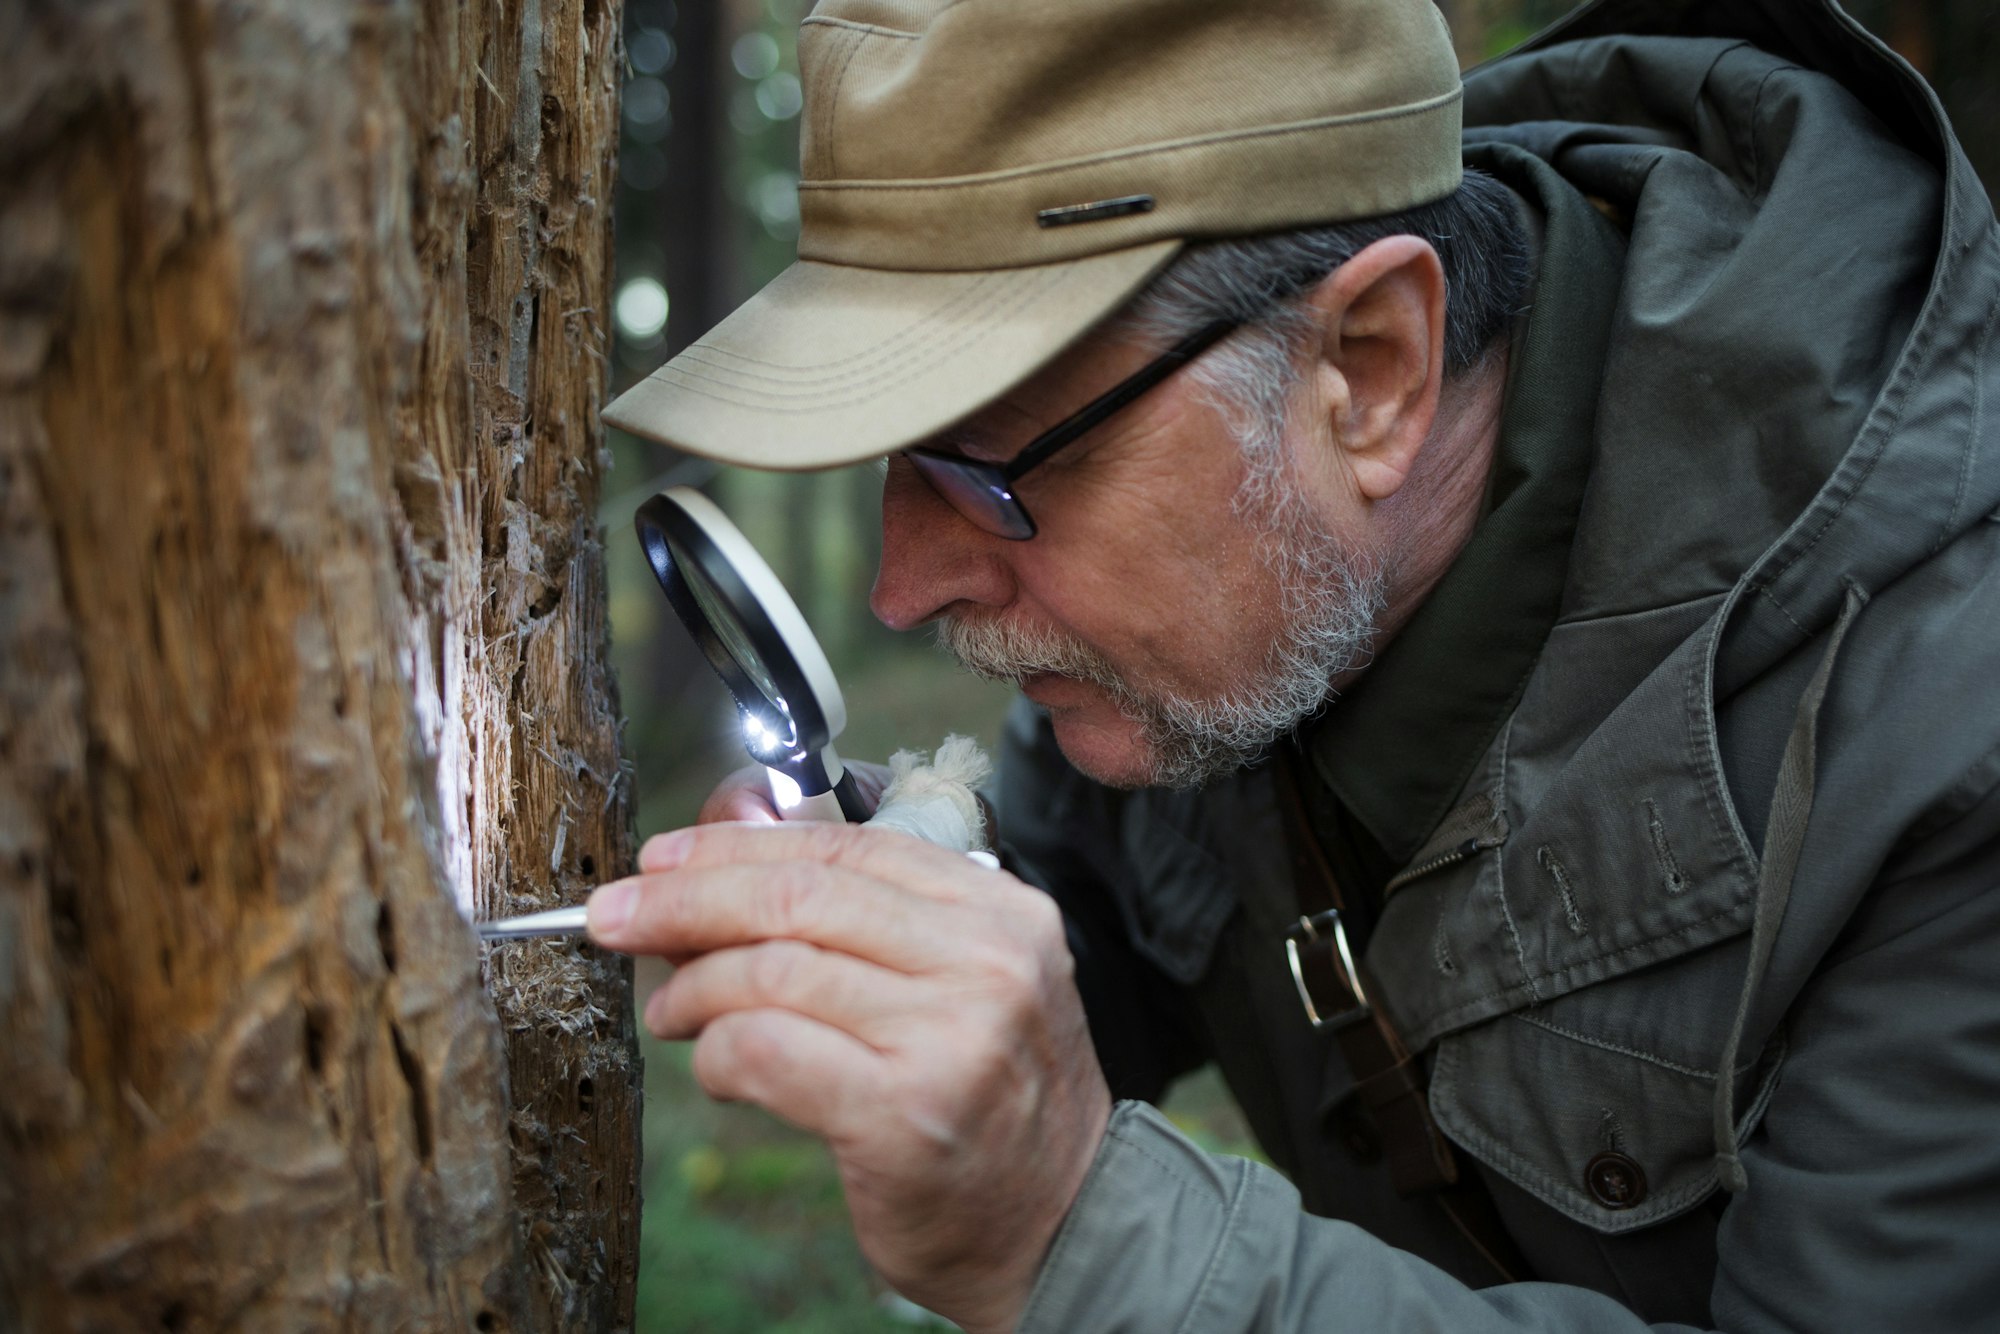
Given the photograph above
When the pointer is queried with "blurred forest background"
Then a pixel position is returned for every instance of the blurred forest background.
(744, 1229)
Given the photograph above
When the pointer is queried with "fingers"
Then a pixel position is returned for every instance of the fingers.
(661, 851)
(802, 1071)
(907, 862)
(697, 909)
(913, 1009)
(857, 997)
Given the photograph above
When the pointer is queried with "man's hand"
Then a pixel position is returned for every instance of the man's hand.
(913, 1009)
(746, 794)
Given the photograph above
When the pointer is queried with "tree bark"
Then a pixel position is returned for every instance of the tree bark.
(303, 638)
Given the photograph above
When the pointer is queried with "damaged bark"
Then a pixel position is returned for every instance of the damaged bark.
(302, 622)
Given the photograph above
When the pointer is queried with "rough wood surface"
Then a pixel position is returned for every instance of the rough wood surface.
(302, 631)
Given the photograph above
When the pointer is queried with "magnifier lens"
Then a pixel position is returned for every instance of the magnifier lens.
(722, 620)
(788, 705)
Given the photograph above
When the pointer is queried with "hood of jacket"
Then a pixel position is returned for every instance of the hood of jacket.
(1792, 395)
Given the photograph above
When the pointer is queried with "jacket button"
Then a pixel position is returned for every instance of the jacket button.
(1615, 1181)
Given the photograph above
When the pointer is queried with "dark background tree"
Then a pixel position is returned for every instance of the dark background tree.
(303, 312)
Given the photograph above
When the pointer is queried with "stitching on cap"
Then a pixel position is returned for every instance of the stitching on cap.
(1144, 150)
(869, 365)
(832, 100)
(910, 370)
(836, 370)
(822, 94)
(816, 92)
(827, 21)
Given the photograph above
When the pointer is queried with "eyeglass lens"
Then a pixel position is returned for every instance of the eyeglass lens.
(977, 490)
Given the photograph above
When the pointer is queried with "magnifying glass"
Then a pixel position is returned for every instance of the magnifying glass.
(749, 629)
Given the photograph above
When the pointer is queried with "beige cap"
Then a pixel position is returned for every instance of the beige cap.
(984, 180)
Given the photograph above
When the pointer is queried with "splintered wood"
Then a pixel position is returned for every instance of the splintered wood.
(302, 616)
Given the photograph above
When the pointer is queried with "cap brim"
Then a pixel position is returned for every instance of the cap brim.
(834, 364)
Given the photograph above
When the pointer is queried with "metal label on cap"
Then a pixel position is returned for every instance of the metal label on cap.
(1103, 208)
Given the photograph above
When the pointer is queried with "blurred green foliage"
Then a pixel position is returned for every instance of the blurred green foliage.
(744, 1230)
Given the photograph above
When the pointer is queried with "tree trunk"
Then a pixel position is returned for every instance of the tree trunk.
(302, 631)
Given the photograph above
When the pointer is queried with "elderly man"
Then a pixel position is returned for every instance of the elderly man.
(1508, 655)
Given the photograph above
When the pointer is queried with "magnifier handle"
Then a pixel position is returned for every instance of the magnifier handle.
(841, 804)
(849, 797)
(823, 806)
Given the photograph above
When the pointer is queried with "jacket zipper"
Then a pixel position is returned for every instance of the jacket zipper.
(1449, 857)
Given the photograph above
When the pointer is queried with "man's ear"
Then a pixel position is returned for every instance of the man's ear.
(1381, 358)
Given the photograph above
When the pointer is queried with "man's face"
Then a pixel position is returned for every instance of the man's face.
(1171, 620)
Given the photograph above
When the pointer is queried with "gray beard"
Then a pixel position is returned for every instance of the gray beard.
(1332, 602)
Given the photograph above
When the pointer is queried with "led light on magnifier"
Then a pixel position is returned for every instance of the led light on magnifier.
(763, 736)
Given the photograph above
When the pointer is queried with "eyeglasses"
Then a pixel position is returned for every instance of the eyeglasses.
(984, 492)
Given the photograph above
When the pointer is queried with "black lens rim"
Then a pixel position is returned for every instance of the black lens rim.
(659, 522)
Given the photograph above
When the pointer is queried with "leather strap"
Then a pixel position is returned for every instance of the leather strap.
(1388, 1080)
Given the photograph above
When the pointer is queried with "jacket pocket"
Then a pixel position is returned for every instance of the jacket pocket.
(1578, 983)
(1599, 1102)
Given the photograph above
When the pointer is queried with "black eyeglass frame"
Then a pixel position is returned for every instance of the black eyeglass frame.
(994, 482)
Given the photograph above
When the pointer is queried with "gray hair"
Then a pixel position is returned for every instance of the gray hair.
(1261, 281)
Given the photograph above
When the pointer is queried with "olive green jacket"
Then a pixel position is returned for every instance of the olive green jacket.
(1744, 816)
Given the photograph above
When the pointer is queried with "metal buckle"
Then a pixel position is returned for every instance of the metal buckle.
(1343, 1000)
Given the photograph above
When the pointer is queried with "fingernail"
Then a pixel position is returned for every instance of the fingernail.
(611, 908)
(663, 852)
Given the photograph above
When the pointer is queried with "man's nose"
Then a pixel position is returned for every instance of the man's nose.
(932, 556)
